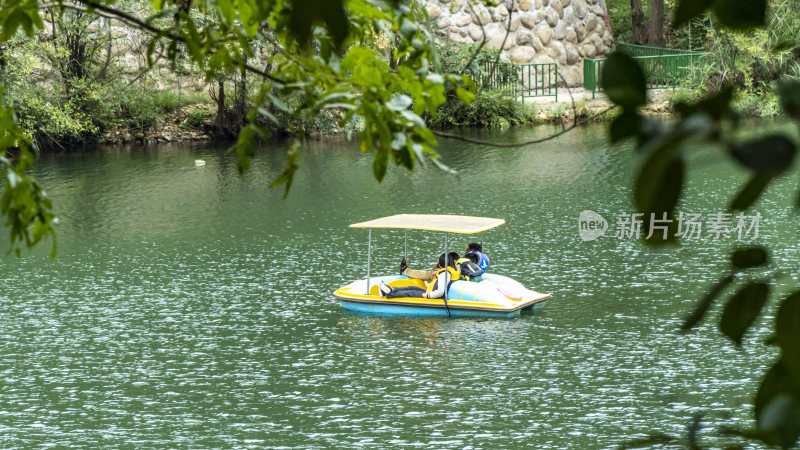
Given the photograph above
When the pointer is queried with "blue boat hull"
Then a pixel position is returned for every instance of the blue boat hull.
(423, 311)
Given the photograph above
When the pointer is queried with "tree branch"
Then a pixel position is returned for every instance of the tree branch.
(113, 13)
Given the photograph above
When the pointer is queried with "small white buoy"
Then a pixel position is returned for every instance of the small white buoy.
(199, 162)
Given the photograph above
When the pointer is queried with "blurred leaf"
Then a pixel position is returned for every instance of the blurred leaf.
(292, 156)
(742, 310)
(379, 163)
(787, 333)
(649, 442)
(689, 9)
(780, 420)
(782, 46)
(741, 14)
(623, 81)
(305, 13)
(789, 92)
(705, 303)
(335, 18)
(777, 406)
(719, 104)
(694, 428)
(465, 96)
(13, 20)
(625, 125)
(777, 381)
(749, 257)
(399, 103)
(767, 156)
(659, 183)
(749, 193)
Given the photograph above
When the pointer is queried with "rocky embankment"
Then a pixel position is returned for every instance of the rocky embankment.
(175, 126)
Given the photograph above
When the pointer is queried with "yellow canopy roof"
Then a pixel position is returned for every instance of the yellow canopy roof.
(434, 222)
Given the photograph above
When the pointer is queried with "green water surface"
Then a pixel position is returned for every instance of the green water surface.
(192, 307)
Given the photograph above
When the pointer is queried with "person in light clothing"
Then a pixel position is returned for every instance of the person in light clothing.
(442, 276)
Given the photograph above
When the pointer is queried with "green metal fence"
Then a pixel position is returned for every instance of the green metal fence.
(538, 80)
(646, 50)
(498, 75)
(591, 74)
(663, 67)
(521, 80)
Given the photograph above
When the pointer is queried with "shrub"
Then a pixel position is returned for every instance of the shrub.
(491, 109)
(197, 119)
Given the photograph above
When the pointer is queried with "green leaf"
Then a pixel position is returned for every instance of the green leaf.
(301, 18)
(659, 184)
(749, 193)
(625, 125)
(623, 81)
(379, 163)
(464, 95)
(749, 257)
(742, 310)
(776, 406)
(789, 92)
(718, 105)
(689, 9)
(741, 14)
(293, 155)
(787, 333)
(656, 439)
(705, 303)
(767, 156)
(334, 17)
(12, 22)
(399, 103)
(778, 380)
(780, 420)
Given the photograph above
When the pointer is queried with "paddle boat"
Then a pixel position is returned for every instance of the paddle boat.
(494, 296)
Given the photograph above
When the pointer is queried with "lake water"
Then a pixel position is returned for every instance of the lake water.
(192, 307)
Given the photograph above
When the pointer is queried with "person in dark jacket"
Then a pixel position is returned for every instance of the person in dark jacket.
(475, 253)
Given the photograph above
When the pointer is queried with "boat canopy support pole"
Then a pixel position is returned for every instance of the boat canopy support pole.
(446, 263)
(369, 256)
(405, 245)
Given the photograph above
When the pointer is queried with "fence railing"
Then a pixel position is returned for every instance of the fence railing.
(498, 75)
(666, 70)
(538, 80)
(521, 80)
(591, 74)
(646, 50)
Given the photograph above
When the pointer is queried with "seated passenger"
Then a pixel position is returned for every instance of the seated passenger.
(475, 253)
(442, 276)
(470, 271)
(425, 275)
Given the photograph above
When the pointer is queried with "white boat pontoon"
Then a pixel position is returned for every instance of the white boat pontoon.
(494, 296)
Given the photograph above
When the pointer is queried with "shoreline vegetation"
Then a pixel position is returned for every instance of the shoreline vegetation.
(70, 88)
(193, 119)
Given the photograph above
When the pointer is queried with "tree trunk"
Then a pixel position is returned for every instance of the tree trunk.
(241, 100)
(637, 20)
(655, 35)
(220, 120)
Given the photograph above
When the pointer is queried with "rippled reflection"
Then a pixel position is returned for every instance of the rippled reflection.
(192, 307)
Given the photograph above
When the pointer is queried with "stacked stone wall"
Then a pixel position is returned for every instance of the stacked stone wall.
(539, 31)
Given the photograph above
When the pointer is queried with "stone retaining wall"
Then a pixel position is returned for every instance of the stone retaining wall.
(560, 31)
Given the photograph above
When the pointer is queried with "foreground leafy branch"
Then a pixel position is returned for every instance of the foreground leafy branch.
(25, 205)
(660, 184)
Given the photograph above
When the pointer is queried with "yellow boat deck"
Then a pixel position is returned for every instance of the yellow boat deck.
(347, 293)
